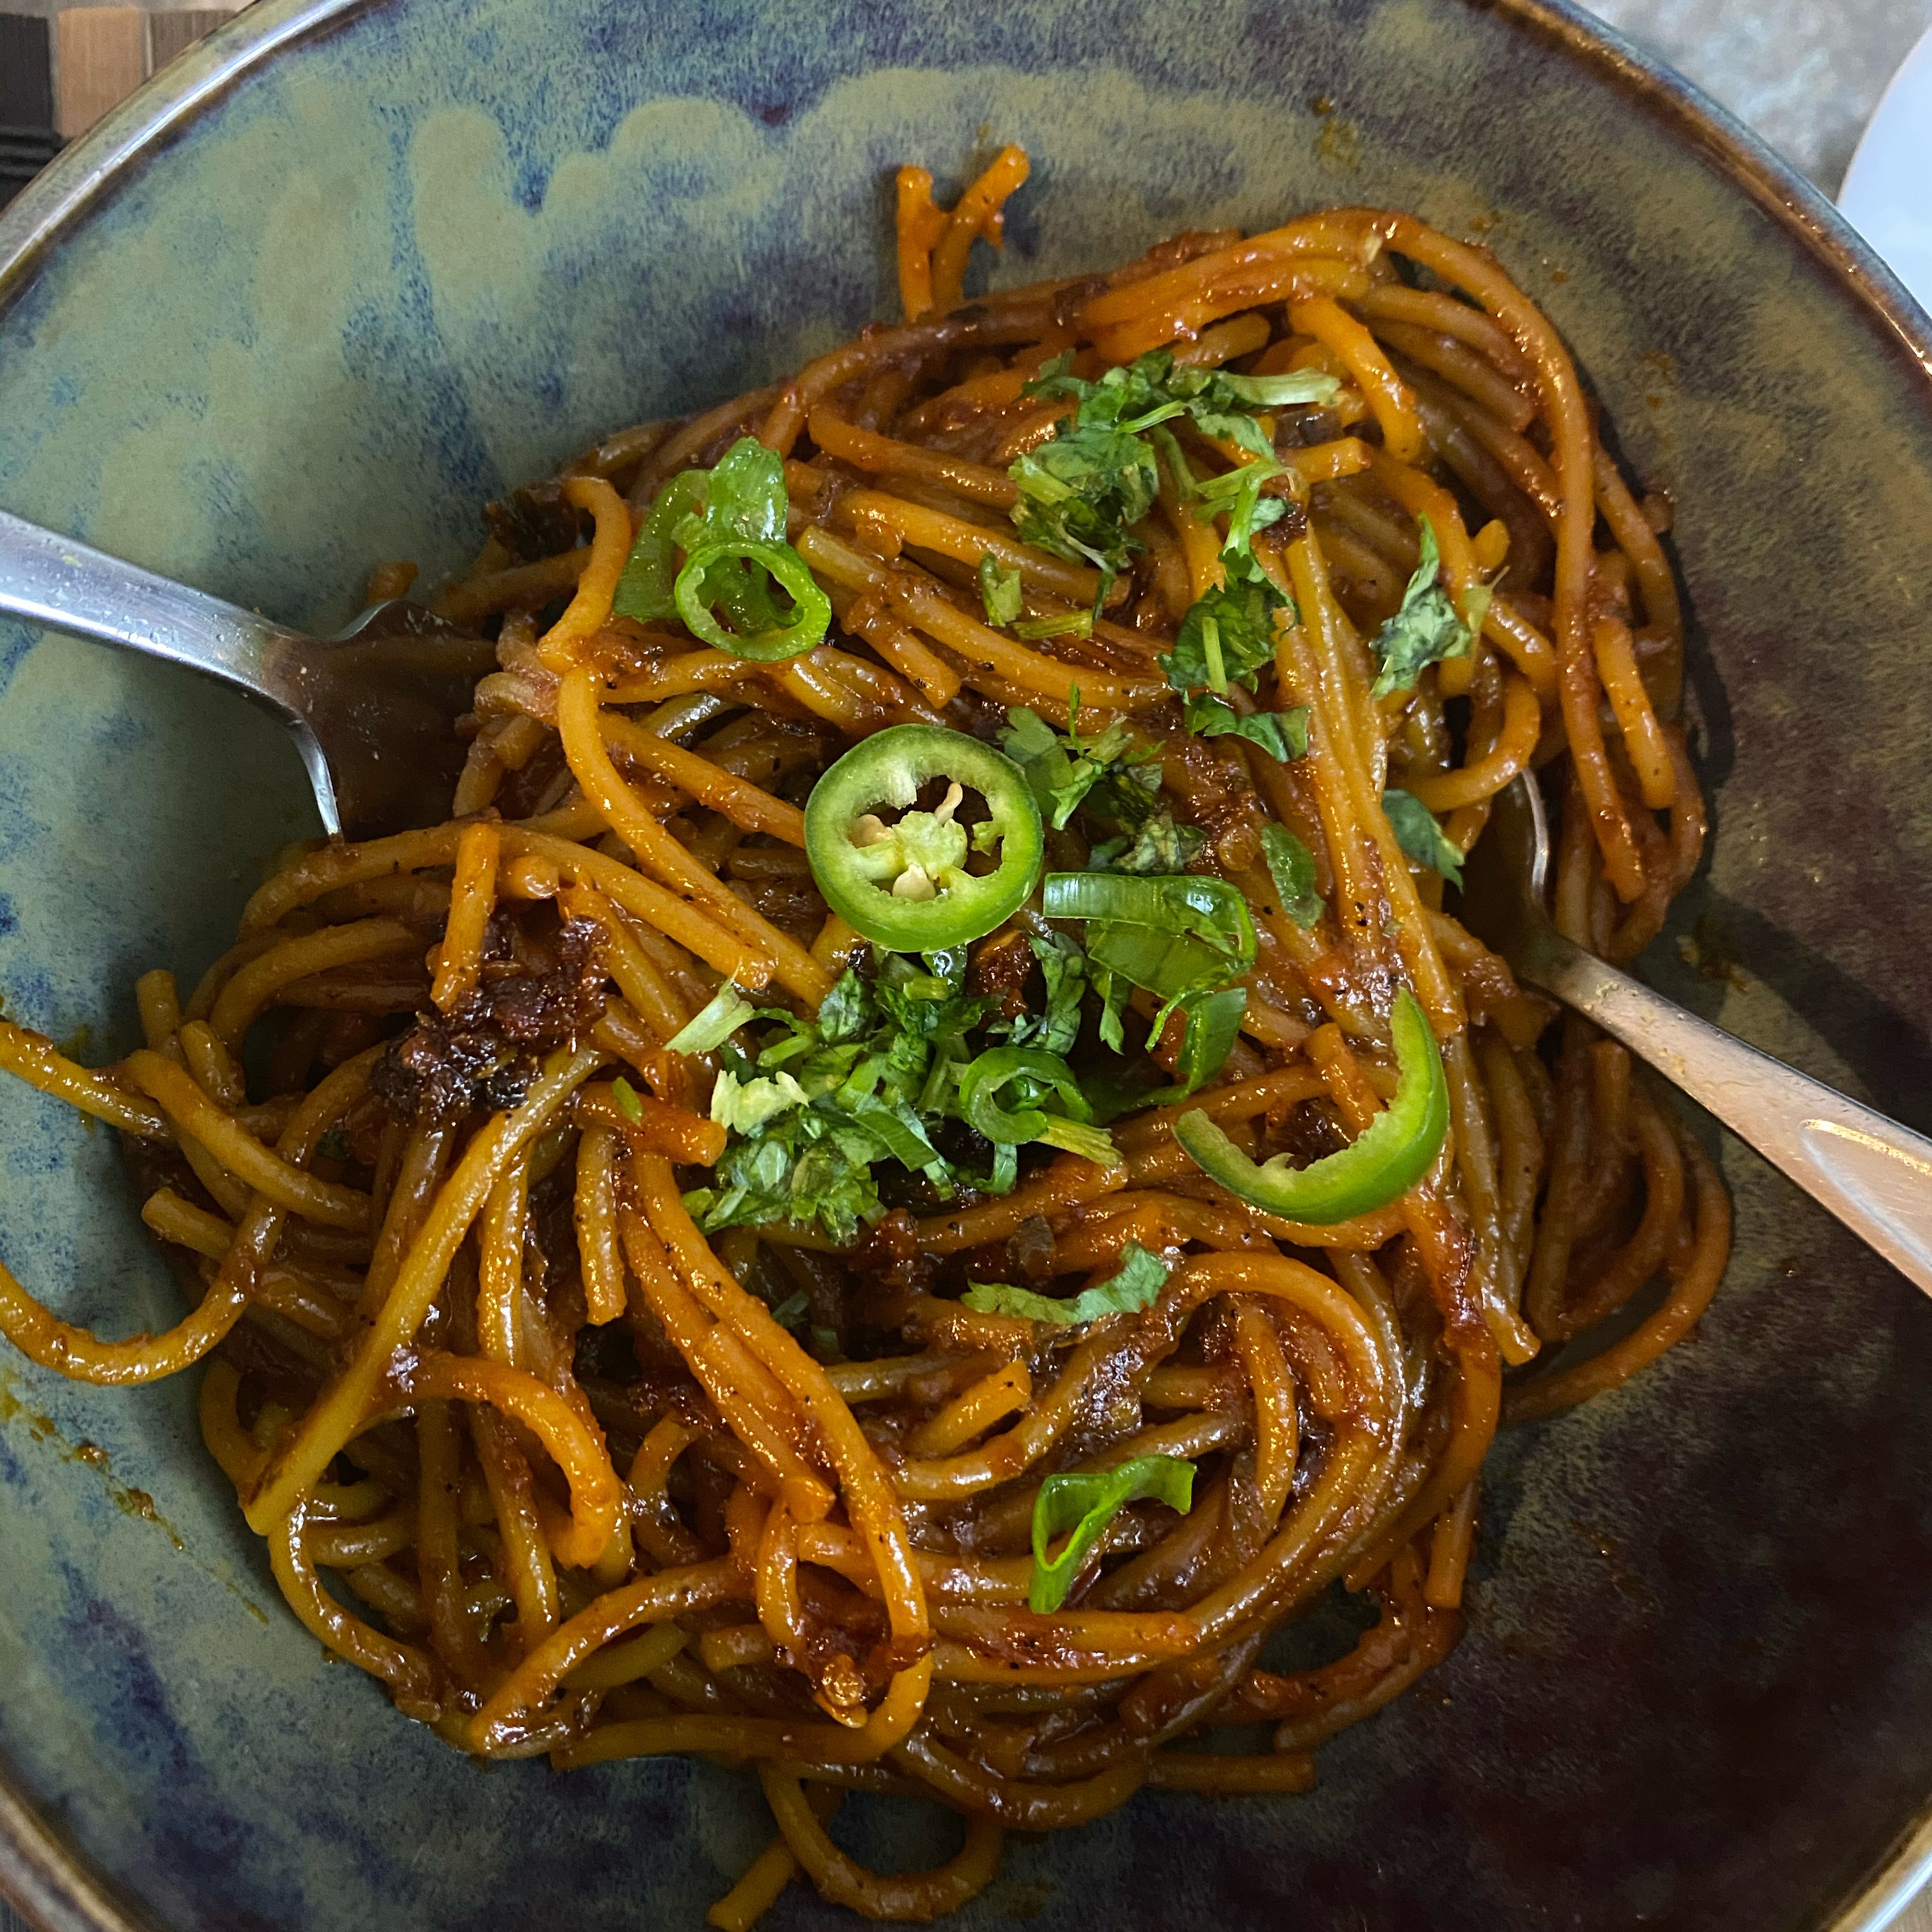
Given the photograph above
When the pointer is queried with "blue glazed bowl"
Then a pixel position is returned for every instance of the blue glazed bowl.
(352, 268)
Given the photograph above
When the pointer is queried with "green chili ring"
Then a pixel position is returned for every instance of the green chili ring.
(888, 769)
(813, 608)
(647, 589)
(1085, 1505)
(1393, 1152)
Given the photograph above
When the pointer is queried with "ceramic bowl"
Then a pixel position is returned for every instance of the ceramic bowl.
(355, 265)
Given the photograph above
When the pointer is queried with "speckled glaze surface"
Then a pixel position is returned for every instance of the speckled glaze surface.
(432, 246)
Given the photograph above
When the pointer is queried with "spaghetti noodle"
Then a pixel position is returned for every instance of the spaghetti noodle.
(597, 1396)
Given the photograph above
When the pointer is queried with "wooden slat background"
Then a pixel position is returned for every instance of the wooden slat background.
(61, 71)
(101, 56)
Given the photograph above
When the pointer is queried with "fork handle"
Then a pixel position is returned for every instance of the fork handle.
(61, 585)
(1873, 1174)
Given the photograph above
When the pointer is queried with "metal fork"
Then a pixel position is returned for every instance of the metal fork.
(1873, 1174)
(371, 709)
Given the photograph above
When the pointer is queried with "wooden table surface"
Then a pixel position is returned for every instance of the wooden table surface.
(1805, 74)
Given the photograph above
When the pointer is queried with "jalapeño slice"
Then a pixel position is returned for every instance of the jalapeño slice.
(906, 885)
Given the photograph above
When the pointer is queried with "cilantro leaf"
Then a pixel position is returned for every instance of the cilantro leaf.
(1237, 493)
(1420, 834)
(846, 1011)
(927, 1006)
(625, 1096)
(1081, 494)
(1242, 429)
(1291, 866)
(1226, 638)
(1158, 845)
(1128, 795)
(999, 590)
(1426, 629)
(1282, 734)
(1027, 735)
(1131, 398)
(1064, 967)
(1141, 1277)
(1062, 770)
(1152, 390)
(1293, 388)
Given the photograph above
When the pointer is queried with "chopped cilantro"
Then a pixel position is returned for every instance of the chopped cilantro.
(845, 1012)
(1227, 637)
(1152, 390)
(999, 590)
(822, 1100)
(1282, 734)
(818, 1103)
(1237, 494)
(1418, 833)
(1063, 769)
(625, 1096)
(1064, 966)
(1427, 629)
(1158, 845)
(1291, 865)
(1082, 493)
(1137, 1285)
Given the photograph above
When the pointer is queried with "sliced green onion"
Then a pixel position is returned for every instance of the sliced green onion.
(727, 1011)
(1214, 1025)
(1185, 903)
(812, 611)
(1168, 965)
(646, 590)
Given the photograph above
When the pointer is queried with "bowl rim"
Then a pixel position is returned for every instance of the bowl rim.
(50, 1882)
